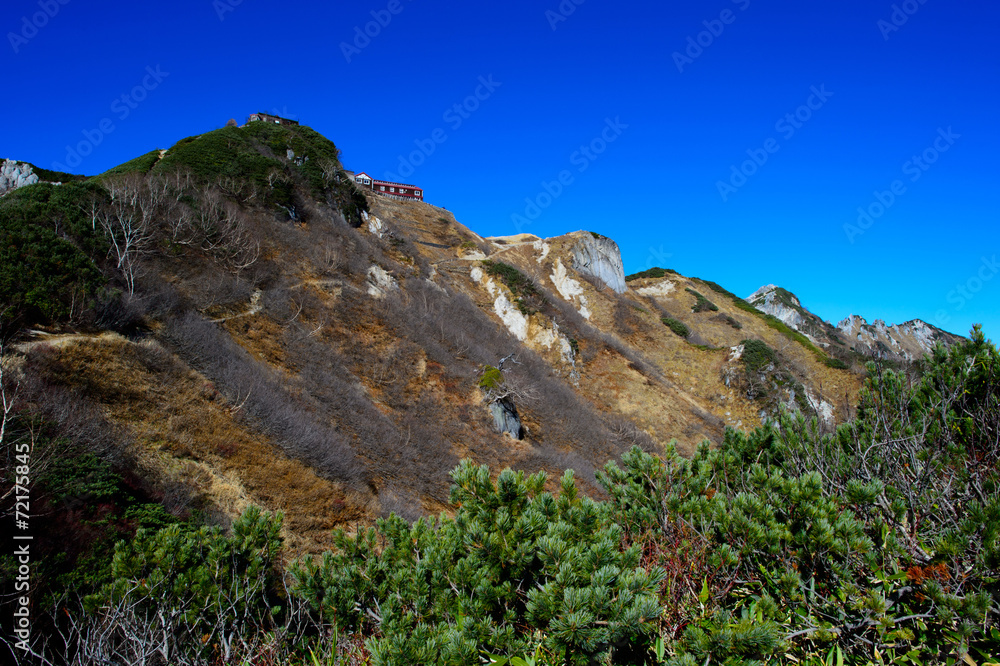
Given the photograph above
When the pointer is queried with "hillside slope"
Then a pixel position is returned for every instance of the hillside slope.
(268, 334)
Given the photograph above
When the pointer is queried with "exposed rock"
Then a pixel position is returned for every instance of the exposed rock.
(661, 288)
(379, 282)
(513, 319)
(505, 418)
(910, 340)
(768, 300)
(374, 224)
(14, 175)
(543, 248)
(599, 257)
(571, 290)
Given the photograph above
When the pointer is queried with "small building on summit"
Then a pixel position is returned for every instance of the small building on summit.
(400, 191)
(268, 118)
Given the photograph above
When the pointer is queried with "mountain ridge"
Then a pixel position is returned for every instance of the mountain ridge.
(908, 341)
(351, 348)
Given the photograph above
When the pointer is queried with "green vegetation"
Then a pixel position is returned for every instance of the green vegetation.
(514, 564)
(835, 363)
(55, 176)
(48, 247)
(597, 235)
(701, 304)
(779, 325)
(526, 295)
(731, 322)
(491, 379)
(250, 163)
(756, 355)
(677, 327)
(650, 273)
(141, 164)
(230, 153)
(876, 543)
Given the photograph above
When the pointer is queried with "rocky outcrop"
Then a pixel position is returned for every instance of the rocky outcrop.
(909, 341)
(768, 300)
(599, 257)
(14, 175)
(505, 418)
(379, 282)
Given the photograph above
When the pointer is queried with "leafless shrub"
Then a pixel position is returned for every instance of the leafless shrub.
(629, 434)
(137, 629)
(127, 221)
(267, 402)
(625, 320)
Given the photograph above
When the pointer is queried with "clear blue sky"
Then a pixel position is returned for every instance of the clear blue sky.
(660, 181)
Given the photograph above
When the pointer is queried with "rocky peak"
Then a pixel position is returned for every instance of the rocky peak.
(599, 257)
(783, 304)
(910, 340)
(14, 174)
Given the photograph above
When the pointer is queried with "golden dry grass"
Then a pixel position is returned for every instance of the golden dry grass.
(187, 432)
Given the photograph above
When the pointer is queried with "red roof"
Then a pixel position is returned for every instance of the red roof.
(386, 182)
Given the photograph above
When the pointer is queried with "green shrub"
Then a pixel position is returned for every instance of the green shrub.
(677, 327)
(757, 355)
(141, 164)
(47, 276)
(514, 566)
(729, 321)
(197, 586)
(701, 304)
(55, 176)
(491, 379)
(526, 295)
(836, 363)
(650, 273)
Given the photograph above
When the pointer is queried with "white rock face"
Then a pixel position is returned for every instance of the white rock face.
(542, 247)
(822, 407)
(765, 299)
(512, 318)
(14, 175)
(661, 288)
(374, 224)
(911, 340)
(600, 258)
(379, 282)
(571, 290)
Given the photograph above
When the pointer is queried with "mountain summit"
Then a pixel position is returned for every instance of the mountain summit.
(904, 342)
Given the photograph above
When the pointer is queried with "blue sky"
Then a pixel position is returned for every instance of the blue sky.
(733, 140)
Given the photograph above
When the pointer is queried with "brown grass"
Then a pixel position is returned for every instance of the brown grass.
(185, 426)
